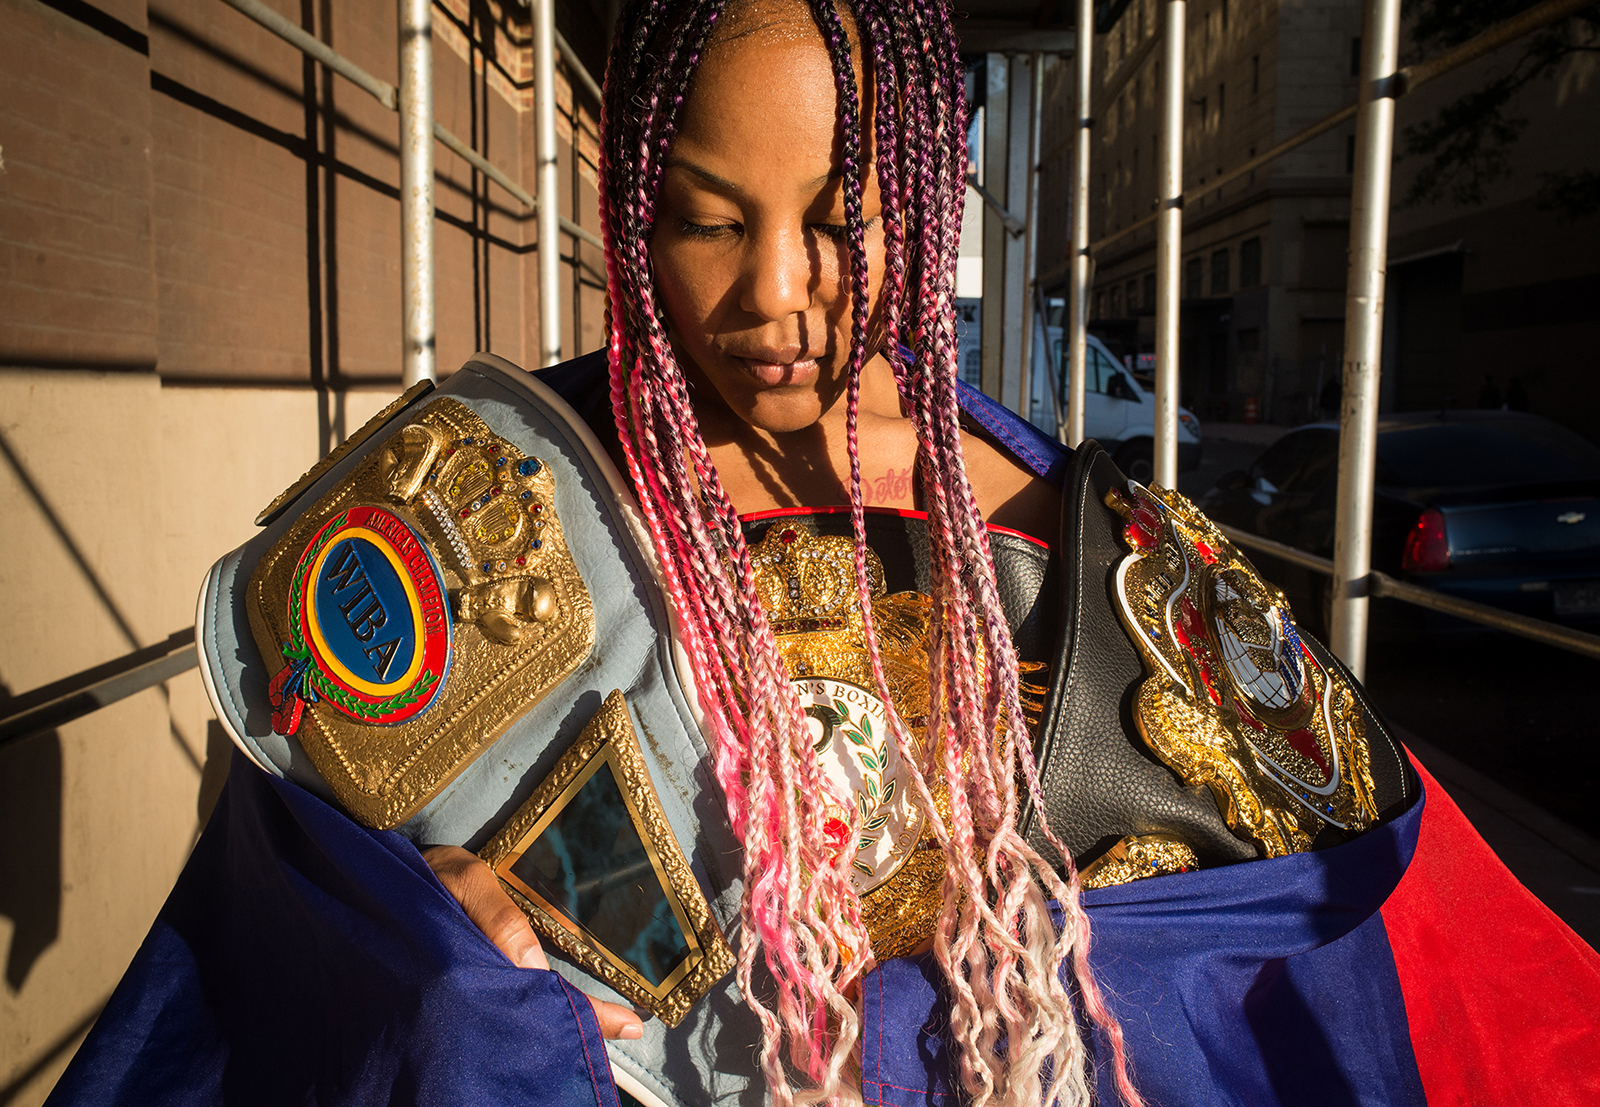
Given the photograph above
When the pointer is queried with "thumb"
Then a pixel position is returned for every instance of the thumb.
(616, 1021)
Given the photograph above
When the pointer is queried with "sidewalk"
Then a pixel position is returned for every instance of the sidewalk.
(1555, 861)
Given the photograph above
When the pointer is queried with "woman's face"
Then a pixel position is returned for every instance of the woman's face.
(750, 252)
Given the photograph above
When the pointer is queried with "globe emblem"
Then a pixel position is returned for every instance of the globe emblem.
(850, 733)
(1259, 645)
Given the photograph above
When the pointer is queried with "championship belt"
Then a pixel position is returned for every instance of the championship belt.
(453, 627)
(1192, 723)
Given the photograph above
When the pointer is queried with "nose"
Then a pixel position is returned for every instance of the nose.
(780, 269)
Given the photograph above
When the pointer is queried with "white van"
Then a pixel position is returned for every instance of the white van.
(1118, 413)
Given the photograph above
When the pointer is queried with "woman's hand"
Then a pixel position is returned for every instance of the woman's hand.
(465, 876)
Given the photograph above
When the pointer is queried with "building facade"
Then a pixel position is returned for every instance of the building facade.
(1479, 294)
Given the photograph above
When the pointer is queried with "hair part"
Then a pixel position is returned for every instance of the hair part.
(1008, 963)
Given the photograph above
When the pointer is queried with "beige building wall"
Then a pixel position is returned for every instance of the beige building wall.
(199, 296)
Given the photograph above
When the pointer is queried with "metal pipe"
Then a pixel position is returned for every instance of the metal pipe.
(1363, 332)
(1078, 281)
(1169, 247)
(1030, 253)
(416, 191)
(1382, 584)
(307, 43)
(488, 169)
(544, 106)
(1014, 226)
(577, 69)
(73, 697)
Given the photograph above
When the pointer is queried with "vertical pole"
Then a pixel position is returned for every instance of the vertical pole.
(1363, 331)
(1169, 247)
(1030, 256)
(1078, 291)
(996, 166)
(416, 191)
(548, 187)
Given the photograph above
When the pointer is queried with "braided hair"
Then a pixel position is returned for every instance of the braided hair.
(1012, 971)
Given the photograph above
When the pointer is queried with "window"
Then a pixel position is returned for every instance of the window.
(1255, 74)
(1149, 290)
(1250, 263)
(1222, 104)
(1098, 371)
(1355, 56)
(1133, 297)
(1116, 301)
(1224, 15)
(1219, 273)
(1191, 279)
(1324, 254)
(1350, 154)
(1099, 305)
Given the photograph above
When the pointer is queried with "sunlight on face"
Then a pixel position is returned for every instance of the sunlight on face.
(749, 247)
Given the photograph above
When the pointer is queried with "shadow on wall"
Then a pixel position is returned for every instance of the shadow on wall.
(30, 848)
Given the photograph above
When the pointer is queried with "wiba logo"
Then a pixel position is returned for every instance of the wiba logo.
(369, 624)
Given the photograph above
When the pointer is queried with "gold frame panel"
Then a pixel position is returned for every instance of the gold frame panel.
(609, 742)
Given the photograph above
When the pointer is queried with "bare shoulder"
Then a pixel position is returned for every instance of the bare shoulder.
(1009, 495)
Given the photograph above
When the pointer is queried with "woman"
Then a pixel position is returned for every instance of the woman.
(782, 186)
(781, 256)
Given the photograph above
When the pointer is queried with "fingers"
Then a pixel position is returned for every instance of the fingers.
(474, 885)
(616, 1021)
(476, 888)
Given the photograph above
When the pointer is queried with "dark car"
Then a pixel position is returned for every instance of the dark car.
(1493, 506)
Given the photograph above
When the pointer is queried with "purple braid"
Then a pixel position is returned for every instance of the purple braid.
(1008, 966)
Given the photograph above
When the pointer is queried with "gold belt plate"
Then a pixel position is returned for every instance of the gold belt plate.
(1233, 698)
(416, 610)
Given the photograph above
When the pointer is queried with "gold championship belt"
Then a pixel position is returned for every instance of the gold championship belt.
(417, 609)
(1233, 699)
(420, 609)
(807, 587)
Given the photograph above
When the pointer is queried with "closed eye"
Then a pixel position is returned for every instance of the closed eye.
(708, 230)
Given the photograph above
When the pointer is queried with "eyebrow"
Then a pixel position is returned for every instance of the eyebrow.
(729, 186)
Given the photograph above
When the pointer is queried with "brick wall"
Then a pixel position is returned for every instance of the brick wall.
(199, 295)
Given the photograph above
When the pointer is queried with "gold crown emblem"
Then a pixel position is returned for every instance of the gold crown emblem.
(491, 509)
(807, 586)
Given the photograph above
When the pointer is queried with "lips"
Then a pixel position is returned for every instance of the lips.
(772, 373)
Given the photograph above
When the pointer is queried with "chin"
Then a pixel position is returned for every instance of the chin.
(783, 414)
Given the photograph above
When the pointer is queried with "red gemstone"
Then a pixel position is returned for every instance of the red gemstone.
(465, 512)
(787, 536)
(537, 507)
(495, 491)
(1206, 552)
(522, 561)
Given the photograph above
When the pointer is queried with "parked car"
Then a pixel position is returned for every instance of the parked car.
(1493, 506)
(1117, 412)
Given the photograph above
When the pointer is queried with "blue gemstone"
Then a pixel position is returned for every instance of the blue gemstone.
(487, 566)
(528, 466)
(527, 495)
(499, 461)
(535, 544)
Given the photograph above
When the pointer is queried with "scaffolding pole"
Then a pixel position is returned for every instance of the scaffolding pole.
(1169, 246)
(416, 191)
(546, 181)
(1030, 256)
(1363, 331)
(1078, 289)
